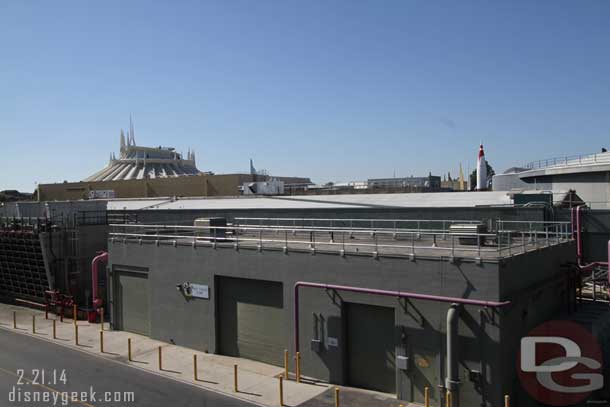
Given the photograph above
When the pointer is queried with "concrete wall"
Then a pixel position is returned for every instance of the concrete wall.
(420, 325)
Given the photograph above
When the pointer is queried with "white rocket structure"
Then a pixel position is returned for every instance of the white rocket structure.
(481, 170)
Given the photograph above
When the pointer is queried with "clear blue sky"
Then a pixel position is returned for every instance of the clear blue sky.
(334, 90)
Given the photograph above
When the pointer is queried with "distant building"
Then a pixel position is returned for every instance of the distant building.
(588, 175)
(429, 183)
(141, 172)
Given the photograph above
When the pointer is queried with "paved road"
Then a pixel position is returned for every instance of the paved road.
(83, 371)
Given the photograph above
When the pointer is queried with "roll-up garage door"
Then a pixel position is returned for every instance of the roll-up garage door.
(131, 302)
(251, 318)
(370, 347)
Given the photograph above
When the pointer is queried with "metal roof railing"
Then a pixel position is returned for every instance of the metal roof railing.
(376, 242)
(580, 159)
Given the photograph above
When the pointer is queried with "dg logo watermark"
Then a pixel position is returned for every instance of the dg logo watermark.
(560, 363)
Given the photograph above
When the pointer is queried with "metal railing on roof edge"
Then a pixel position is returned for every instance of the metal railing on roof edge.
(502, 243)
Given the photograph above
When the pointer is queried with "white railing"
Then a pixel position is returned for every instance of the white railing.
(508, 241)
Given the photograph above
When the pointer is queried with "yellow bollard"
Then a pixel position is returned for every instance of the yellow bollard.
(281, 391)
(235, 378)
(298, 367)
(74, 313)
(54, 329)
(426, 397)
(33, 324)
(76, 334)
(101, 341)
(129, 349)
(286, 364)
(102, 319)
(160, 359)
(14, 319)
(507, 401)
(336, 397)
(195, 370)
(448, 401)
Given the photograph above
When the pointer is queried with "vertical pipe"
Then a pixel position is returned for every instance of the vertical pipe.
(195, 369)
(129, 349)
(337, 397)
(54, 329)
(452, 381)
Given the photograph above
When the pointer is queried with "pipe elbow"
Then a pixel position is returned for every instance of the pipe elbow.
(452, 314)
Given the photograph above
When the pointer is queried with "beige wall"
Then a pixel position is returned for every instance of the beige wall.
(197, 185)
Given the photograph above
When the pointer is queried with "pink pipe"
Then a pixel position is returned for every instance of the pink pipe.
(399, 294)
(576, 219)
(101, 257)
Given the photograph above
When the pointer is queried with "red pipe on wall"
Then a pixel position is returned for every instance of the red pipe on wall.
(398, 294)
(101, 257)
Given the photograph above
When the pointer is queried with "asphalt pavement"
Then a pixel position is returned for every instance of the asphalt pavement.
(37, 373)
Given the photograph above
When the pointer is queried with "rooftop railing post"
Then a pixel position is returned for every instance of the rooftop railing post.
(412, 243)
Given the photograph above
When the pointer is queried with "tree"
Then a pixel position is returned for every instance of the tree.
(473, 177)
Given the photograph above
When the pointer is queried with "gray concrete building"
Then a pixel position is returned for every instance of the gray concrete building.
(393, 310)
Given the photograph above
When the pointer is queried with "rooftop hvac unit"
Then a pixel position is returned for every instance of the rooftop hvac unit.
(469, 233)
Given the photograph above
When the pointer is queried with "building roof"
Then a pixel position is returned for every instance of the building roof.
(407, 200)
(137, 162)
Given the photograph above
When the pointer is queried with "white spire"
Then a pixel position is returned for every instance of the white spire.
(132, 133)
(122, 141)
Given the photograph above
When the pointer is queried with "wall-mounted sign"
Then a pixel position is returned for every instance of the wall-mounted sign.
(200, 291)
(334, 342)
(194, 290)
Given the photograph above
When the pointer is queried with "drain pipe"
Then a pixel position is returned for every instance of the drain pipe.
(101, 257)
(397, 294)
(452, 379)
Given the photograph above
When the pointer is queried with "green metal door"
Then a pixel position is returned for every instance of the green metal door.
(131, 301)
(252, 320)
(371, 355)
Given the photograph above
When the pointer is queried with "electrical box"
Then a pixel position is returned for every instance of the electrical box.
(316, 345)
(402, 362)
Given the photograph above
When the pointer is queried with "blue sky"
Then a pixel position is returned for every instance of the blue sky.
(334, 90)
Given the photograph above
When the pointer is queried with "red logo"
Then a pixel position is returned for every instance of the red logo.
(560, 363)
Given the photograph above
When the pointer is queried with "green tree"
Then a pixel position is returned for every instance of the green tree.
(473, 177)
